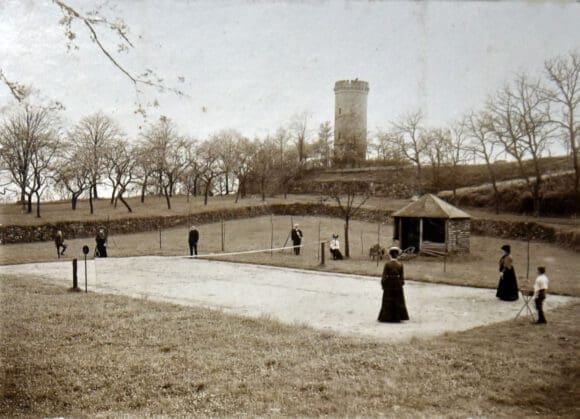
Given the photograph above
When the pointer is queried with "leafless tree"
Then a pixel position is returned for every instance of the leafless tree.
(564, 75)
(71, 173)
(209, 165)
(94, 135)
(263, 165)
(350, 197)
(521, 122)
(413, 145)
(323, 147)
(120, 170)
(168, 154)
(25, 138)
(246, 149)
(439, 151)
(226, 144)
(482, 143)
(299, 130)
(457, 153)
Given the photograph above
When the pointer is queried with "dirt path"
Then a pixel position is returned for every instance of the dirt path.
(346, 304)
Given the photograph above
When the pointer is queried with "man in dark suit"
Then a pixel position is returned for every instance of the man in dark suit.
(296, 239)
(193, 238)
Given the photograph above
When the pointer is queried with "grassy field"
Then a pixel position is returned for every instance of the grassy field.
(69, 354)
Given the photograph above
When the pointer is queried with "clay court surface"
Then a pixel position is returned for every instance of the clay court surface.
(345, 304)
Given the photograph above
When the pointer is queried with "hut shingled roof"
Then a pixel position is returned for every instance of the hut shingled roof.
(430, 206)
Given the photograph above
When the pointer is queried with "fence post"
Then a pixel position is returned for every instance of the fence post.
(75, 286)
(322, 254)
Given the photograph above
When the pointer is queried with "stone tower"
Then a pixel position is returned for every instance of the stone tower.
(350, 121)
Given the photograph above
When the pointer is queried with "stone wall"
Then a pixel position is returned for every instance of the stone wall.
(10, 234)
(459, 232)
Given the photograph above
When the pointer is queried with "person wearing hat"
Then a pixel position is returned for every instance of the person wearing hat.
(296, 236)
(393, 307)
(335, 247)
(507, 288)
(192, 239)
(59, 243)
(101, 240)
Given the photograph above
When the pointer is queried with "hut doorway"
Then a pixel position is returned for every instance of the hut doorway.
(412, 233)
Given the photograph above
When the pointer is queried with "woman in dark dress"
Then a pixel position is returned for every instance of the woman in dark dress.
(101, 240)
(507, 288)
(393, 308)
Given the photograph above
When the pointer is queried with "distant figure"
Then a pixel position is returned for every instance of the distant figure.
(507, 288)
(101, 239)
(393, 308)
(296, 236)
(335, 248)
(59, 243)
(192, 239)
(540, 291)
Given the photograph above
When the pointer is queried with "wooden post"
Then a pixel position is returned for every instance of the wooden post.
(362, 244)
(271, 235)
(528, 263)
(319, 238)
(159, 237)
(75, 286)
(322, 253)
(222, 235)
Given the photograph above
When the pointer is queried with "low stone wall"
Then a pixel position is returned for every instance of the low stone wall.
(525, 230)
(10, 234)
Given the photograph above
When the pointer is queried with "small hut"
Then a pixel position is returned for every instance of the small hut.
(431, 225)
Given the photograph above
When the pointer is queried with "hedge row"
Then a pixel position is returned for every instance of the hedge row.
(515, 230)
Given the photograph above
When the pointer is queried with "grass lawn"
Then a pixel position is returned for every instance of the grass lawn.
(76, 354)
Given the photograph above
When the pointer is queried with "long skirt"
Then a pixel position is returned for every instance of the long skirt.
(507, 288)
(393, 308)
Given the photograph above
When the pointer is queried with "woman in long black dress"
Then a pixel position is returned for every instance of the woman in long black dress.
(393, 308)
(507, 288)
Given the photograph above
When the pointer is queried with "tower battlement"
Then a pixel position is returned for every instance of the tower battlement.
(355, 84)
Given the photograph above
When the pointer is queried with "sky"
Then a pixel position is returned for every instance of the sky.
(254, 65)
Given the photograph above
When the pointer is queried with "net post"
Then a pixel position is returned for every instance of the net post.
(322, 253)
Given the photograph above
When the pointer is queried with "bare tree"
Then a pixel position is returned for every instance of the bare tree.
(521, 117)
(564, 75)
(226, 147)
(23, 138)
(263, 165)
(71, 173)
(246, 149)
(299, 129)
(439, 150)
(457, 152)
(209, 165)
(323, 146)
(120, 170)
(94, 135)
(168, 154)
(412, 144)
(482, 143)
(350, 197)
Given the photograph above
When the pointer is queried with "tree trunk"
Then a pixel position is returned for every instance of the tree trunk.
(167, 197)
(91, 200)
(37, 205)
(227, 184)
(113, 194)
(95, 193)
(419, 179)
(120, 196)
(29, 203)
(346, 244)
(206, 192)
(74, 201)
(143, 189)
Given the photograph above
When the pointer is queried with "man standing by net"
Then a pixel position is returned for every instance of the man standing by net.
(296, 239)
(192, 239)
